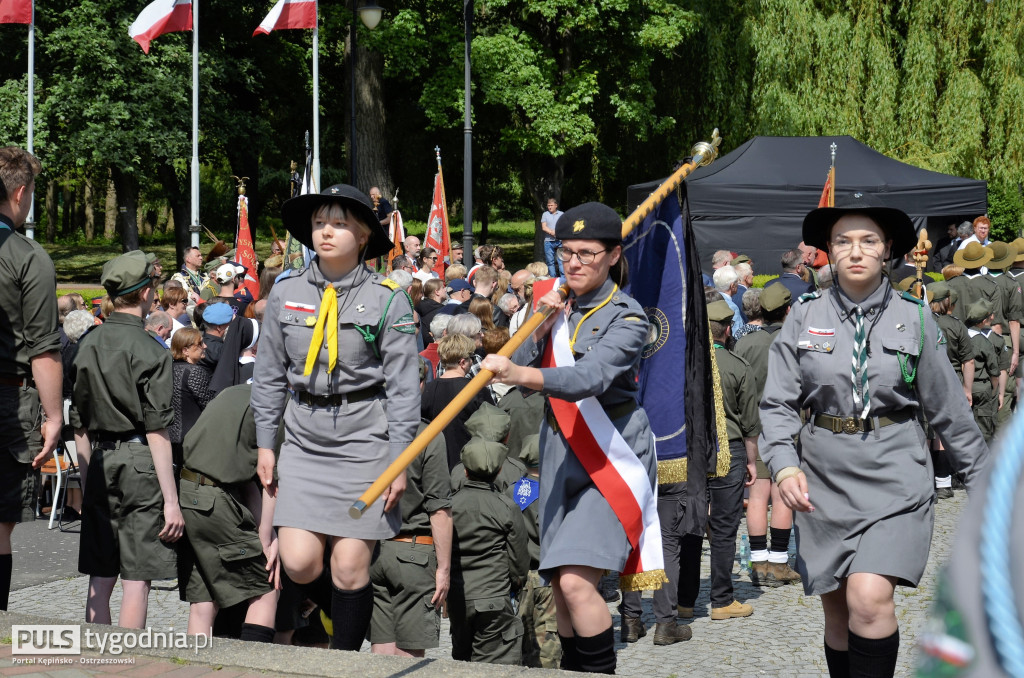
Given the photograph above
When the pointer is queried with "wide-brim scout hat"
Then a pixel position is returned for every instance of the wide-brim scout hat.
(589, 221)
(127, 273)
(975, 255)
(897, 225)
(1018, 245)
(1003, 255)
(297, 214)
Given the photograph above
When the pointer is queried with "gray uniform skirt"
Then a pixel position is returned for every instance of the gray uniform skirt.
(329, 457)
(577, 525)
(873, 505)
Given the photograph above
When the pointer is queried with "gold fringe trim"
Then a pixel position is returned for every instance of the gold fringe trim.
(651, 580)
(724, 460)
(672, 471)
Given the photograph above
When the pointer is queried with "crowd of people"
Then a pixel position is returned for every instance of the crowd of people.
(222, 436)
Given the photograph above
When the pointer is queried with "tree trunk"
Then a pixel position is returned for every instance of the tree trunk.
(89, 222)
(81, 197)
(127, 187)
(164, 217)
(179, 200)
(52, 213)
(110, 210)
(371, 123)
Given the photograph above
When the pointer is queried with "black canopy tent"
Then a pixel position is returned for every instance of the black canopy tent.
(753, 200)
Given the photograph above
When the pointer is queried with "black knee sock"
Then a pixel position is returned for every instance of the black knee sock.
(597, 653)
(257, 633)
(570, 659)
(780, 540)
(6, 564)
(759, 542)
(838, 662)
(873, 657)
(351, 612)
(320, 591)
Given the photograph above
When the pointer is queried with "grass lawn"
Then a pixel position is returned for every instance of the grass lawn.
(82, 263)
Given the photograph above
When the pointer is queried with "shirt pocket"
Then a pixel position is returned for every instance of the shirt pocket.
(901, 349)
(357, 334)
(297, 328)
(819, 363)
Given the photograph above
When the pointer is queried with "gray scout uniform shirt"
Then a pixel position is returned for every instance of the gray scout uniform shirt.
(291, 312)
(881, 521)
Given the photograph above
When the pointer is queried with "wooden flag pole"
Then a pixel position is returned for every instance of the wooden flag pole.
(703, 153)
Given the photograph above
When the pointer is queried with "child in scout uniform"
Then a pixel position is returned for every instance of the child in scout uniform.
(490, 561)
(541, 648)
(1010, 299)
(230, 553)
(122, 408)
(491, 423)
(333, 335)
(991, 359)
(412, 573)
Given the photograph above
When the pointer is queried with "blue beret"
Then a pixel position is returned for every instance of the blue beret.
(218, 314)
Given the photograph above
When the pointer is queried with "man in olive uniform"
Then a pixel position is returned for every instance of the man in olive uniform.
(740, 404)
(490, 561)
(412, 574)
(228, 521)
(988, 360)
(30, 365)
(1009, 323)
(1016, 271)
(122, 405)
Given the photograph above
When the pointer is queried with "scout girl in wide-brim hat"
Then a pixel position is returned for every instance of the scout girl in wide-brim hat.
(897, 225)
(298, 212)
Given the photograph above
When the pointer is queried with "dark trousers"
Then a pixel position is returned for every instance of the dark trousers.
(726, 498)
(671, 508)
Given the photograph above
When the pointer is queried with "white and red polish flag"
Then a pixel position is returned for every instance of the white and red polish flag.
(159, 17)
(289, 14)
(15, 11)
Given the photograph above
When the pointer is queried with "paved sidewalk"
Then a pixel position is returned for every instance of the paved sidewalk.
(783, 637)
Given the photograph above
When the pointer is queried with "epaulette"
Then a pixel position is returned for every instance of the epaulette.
(910, 297)
(389, 283)
(807, 296)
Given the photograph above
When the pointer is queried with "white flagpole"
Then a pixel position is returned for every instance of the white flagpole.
(30, 223)
(316, 100)
(195, 228)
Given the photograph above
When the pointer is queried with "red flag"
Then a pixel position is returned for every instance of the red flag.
(159, 17)
(15, 11)
(437, 225)
(245, 253)
(289, 14)
(828, 193)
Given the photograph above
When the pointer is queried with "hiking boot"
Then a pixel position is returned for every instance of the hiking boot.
(667, 634)
(759, 573)
(684, 612)
(733, 609)
(782, 573)
(633, 629)
(944, 493)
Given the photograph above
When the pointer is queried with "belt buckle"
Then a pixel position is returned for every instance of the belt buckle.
(851, 425)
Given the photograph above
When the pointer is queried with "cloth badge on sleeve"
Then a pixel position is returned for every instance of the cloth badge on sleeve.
(527, 491)
(405, 324)
(301, 308)
(819, 332)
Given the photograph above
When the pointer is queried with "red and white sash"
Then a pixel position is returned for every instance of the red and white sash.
(611, 463)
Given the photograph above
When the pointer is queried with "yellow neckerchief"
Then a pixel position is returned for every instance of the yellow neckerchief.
(572, 342)
(328, 319)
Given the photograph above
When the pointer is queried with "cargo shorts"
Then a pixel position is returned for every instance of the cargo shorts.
(403, 584)
(21, 417)
(122, 516)
(221, 558)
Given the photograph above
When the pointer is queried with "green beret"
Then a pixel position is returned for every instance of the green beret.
(127, 273)
(774, 297)
(939, 291)
(529, 453)
(719, 311)
(483, 458)
(490, 423)
(978, 312)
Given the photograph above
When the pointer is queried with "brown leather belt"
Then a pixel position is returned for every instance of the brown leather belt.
(414, 539)
(614, 412)
(337, 399)
(197, 478)
(853, 425)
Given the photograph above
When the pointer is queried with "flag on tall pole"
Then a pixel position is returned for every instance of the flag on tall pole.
(676, 366)
(437, 235)
(15, 11)
(828, 193)
(396, 234)
(289, 14)
(159, 17)
(245, 251)
(296, 255)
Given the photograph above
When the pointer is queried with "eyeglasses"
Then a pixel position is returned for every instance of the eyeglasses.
(585, 256)
(869, 245)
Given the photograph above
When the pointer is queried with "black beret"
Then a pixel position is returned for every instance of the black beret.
(589, 221)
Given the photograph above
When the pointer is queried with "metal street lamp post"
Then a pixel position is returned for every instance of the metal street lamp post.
(467, 172)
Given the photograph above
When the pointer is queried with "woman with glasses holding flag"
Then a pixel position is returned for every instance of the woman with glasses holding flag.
(338, 340)
(867, 362)
(588, 354)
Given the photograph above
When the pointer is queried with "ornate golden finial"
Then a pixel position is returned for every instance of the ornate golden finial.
(294, 166)
(920, 255)
(704, 152)
(240, 181)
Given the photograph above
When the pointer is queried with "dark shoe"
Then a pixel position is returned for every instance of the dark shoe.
(70, 515)
(666, 634)
(759, 573)
(782, 574)
(944, 493)
(633, 629)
